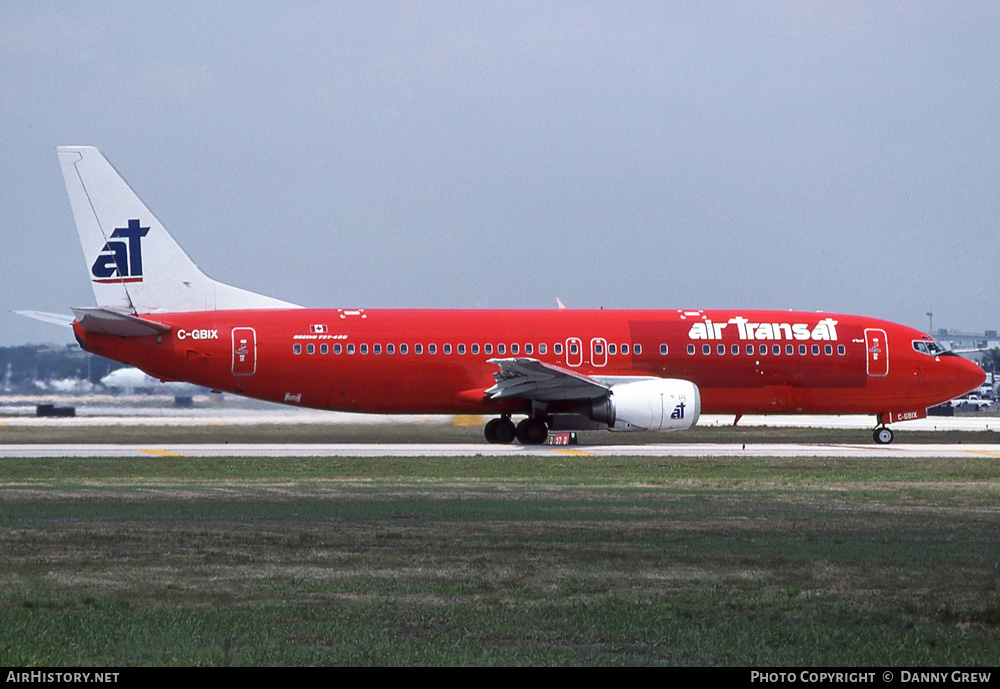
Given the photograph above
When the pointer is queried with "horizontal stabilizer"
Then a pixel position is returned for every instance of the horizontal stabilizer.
(114, 323)
(45, 317)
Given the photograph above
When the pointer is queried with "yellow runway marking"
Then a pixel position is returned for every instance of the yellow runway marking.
(163, 453)
(575, 453)
(983, 452)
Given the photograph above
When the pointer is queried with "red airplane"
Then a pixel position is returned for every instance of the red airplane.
(622, 370)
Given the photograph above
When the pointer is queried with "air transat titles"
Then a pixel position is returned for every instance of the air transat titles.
(826, 329)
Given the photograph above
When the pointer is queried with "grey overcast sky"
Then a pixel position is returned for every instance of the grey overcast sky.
(840, 156)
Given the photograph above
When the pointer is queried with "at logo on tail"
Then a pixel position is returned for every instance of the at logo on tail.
(121, 261)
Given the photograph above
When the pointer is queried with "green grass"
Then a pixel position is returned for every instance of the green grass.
(499, 561)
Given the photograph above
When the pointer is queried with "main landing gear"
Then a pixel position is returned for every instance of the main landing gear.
(530, 431)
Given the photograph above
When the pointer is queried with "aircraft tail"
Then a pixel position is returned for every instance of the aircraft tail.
(135, 265)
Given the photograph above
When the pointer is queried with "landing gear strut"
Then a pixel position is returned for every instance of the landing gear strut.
(882, 435)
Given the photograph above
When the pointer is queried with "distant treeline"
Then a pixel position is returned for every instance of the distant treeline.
(21, 366)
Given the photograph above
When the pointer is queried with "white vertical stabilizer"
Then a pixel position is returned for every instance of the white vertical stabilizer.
(135, 266)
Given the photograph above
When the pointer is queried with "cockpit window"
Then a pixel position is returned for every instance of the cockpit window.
(929, 347)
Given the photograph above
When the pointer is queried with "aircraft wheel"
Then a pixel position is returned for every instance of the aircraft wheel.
(499, 431)
(882, 435)
(532, 432)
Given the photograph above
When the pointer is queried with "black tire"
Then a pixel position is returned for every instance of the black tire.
(499, 431)
(532, 432)
(882, 435)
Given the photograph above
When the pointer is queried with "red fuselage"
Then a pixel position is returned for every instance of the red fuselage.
(437, 361)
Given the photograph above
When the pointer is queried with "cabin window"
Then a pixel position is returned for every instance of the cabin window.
(488, 348)
(514, 349)
(338, 348)
(350, 349)
(612, 348)
(624, 349)
(475, 349)
(706, 349)
(363, 349)
(802, 350)
(403, 349)
(461, 349)
(376, 349)
(749, 350)
(310, 348)
(663, 349)
(734, 350)
(501, 349)
(775, 350)
(297, 348)
(841, 350)
(447, 349)
(815, 349)
(574, 348)
(721, 349)
(557, 348)
(529, 349)
(637, 349)
(418, 349)
(598, 348)
(690, 349)
(542, 348)
(324, 349)
(828, 349)
(762, 349)
(789, 349)
(390, 349)
(432, 349)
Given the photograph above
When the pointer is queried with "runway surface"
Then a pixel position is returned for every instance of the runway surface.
(106, 411)
(485, 450)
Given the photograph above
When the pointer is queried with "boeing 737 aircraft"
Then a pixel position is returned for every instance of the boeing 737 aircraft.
(561, 368)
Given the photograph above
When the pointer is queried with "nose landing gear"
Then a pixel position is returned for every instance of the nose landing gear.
(882, 435)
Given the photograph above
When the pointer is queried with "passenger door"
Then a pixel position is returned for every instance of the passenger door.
(877, 346)
(244, 351)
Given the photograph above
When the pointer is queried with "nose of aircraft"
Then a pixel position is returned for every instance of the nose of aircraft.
(966, 375)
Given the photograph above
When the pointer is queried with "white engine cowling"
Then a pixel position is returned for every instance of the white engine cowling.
(664, 404)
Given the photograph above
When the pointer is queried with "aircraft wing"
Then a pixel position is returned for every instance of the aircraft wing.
(531, 379)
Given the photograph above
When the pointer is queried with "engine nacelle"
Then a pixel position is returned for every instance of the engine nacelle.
(664, 404)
